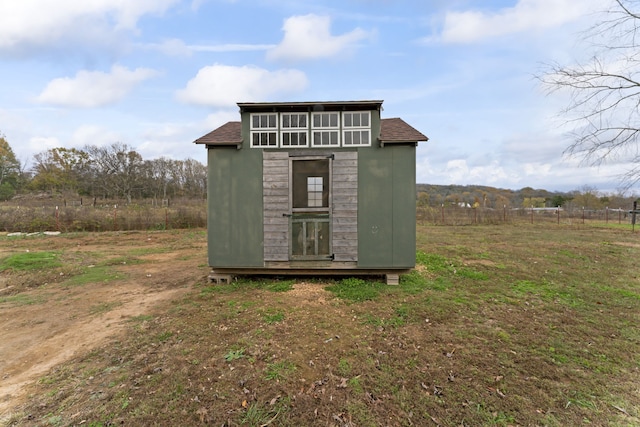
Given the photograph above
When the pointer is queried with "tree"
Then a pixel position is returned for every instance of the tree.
(605, 91)
(117, 169)
(588, 197)
(61, 169)
(9, 170)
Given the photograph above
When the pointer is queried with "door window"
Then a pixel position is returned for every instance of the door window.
(310, 185)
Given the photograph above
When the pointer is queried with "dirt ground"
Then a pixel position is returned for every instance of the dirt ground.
(49, 324)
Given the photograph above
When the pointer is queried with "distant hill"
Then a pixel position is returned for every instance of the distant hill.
(491, 197)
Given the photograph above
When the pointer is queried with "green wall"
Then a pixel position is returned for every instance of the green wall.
(386, 207)
(235, 207)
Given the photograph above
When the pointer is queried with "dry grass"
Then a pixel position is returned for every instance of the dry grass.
(498, 326)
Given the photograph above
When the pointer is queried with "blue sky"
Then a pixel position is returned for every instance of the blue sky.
(157, 74)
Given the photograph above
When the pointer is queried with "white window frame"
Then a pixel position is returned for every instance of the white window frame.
(290, 129)
(357, 131)
(264, 131)
(325, 130)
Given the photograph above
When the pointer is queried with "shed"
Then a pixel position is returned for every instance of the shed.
(312, 188)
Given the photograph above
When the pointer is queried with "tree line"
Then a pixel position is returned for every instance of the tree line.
(116, 171)
(477, 196)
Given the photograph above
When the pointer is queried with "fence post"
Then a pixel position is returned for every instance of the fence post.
(583, 215)
(620, 216)
(57, 219)
(115, 217)
(166, 219)
(606, 215)
(504, 213)
(442, 211)
(531, 214)
(558, 213)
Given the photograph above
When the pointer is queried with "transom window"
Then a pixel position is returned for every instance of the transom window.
(359, 119)
(264, 130)
(295, 129)
(356, 127)
(356, 137)
(315, 129)
(326, 130)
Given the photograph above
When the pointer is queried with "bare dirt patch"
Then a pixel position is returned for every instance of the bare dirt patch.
(48, 325)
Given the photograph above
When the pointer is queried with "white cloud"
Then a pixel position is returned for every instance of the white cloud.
(93, 135)
(309, 37)
(89, 89)
(224, 85)
(177, 47)
(28, 24)
(527, 15)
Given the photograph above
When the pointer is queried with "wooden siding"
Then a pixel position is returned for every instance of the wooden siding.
(275, 187)
(344, 224)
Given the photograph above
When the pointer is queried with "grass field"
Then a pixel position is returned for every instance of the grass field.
(497, 326)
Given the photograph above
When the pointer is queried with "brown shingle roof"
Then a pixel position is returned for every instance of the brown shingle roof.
(397, 130)
(228, 134)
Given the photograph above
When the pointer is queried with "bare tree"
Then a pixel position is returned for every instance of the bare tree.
(604, 108)
(117, 168)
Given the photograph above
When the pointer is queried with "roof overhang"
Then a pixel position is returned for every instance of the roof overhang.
(258, 107)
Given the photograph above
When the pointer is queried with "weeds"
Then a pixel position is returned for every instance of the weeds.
(279, 370)
(356, 290)
(234, 355)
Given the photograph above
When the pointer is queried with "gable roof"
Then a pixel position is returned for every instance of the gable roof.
(397, 130)
(228, 134)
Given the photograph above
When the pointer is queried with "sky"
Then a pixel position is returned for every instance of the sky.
(157, 74)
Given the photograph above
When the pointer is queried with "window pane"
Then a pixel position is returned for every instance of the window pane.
(334, 120)
(286, 121)
(365, 137)
(334, 138)
(325, 138)
(356, 119)
(347, 120)
(316, 120)
(323, 238)
(297, 238)
(310, 244)
(303, 138)
(365, 120)
(356, 138)
(302, 120)
(325, 120)
(347, 138)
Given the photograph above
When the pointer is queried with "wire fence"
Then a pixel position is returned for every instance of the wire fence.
(76, 215)
(453, 215)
